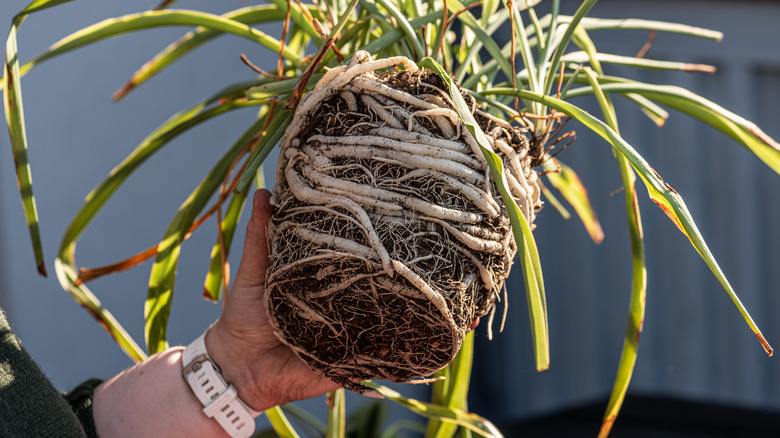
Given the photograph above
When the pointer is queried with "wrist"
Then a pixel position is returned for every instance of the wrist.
(219, 398)
(236, 367)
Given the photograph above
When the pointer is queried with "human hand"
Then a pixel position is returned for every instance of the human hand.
(265, 372)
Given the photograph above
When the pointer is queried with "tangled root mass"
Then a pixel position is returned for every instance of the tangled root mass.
(388, 237)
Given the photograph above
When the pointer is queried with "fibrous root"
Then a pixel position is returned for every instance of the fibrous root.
(388, 237)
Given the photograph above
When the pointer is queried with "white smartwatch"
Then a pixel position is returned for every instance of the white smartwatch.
(219, 399)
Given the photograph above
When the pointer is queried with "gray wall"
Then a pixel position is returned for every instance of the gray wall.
(695, 344)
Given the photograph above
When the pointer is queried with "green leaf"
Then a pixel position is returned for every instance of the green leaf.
(309, 420)
(280, 423)
(637, 304)
(163, 275)
(194, 39)
(591, 23)
(569, 184)
(457, 387)
(39, 5)
(492, 48)
(14, 117)
(272, 135)
(214, 279)
(150, 19)
(653, 111)
(741, 130)
(525, 51)
(526, 246)
(391, 37)
(405, 27)
(336, 415)
(302, 18)
(660, 192)
(173, 127)
(67, 275)
(453, 415)
(498, 20)
(563, 42)
(639, 270)
(657, 114)
(631, 61)
(65, 264)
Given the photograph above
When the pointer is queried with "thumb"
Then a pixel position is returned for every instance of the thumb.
(254, 261)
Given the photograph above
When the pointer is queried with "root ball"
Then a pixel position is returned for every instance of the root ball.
(388, 237)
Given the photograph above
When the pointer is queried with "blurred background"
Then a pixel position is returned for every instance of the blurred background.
(695, 346)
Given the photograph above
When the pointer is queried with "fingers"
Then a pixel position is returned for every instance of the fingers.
(254, 262)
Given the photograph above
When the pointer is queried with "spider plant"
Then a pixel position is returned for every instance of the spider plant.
(519, 65)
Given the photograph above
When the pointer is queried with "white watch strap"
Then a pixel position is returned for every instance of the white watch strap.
(219, 399)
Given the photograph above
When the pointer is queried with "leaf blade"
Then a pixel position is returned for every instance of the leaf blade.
(660, 192)
(526, 246)
(162, 278)
(279, 422)
(192, 40)
(214, 278)
(628, 356)
(14, 116)
(457, 386)
(150, 19)
(66, 274)
(336, 427)
(738, 128)
(570, 186)
(457, 416)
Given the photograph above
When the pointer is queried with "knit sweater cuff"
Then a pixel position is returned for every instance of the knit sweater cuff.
(80, 400)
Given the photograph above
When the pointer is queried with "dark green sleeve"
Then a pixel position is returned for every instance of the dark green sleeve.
(80, 401)
(30, 406)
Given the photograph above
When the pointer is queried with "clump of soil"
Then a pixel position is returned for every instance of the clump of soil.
(388, 237)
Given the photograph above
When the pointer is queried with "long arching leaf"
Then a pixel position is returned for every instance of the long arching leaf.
(67, 275)
(194, 39)
(741, 130)
(14, 116)
(39, 5)
(405, 27)
(660, 192)
(214, 278)
(272, 136)
(173, 127)
(526, 246)
(457, 388)
(150, 19)
(163, 275)
(66, 265)
(453, 415)
(569, 184)
(336, 415)
(280, 423)
(638, 268)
